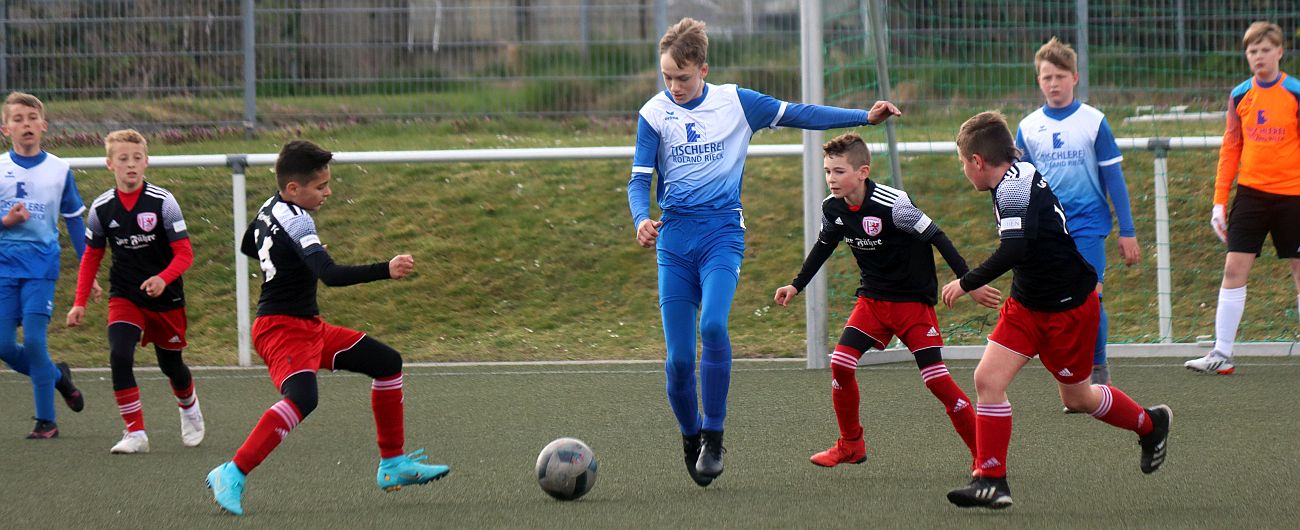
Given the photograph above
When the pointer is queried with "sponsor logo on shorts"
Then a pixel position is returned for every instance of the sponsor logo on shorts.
(1065, 372)
(932, 333)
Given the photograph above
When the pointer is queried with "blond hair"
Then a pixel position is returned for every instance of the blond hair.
(851, 147)
(22, 98)
(1060, 54)
(1262, 30)
(686, 43)
(125, 136)
(986, 134)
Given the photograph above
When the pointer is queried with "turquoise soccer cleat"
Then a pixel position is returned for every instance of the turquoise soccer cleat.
(408, 470)
(227, 484)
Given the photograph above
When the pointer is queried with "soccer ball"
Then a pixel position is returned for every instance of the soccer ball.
(566, 469)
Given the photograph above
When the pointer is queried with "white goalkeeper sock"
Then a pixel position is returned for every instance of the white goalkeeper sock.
(1232, 302)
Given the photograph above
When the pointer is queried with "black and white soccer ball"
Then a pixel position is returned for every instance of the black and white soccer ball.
(566, 469)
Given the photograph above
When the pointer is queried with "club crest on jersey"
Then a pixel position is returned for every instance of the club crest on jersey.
(692, 135)
(147, 221)
(872, 225)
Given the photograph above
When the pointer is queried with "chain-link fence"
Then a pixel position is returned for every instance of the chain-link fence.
(183, 61)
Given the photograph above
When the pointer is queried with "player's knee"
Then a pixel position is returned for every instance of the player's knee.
(303, 399)
(713, 330)
(679, 368)
(927, 357)
(1077, 400)
(121, 356)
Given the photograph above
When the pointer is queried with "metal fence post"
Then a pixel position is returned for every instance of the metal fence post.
(250, 70)
(810, 16)
(1081, 47)
(4, 47)
(886, 87)
(1164, 285)
(239, 198)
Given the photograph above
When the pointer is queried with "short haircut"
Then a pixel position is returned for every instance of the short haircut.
(299, 161)
(124, 136)
(986, 134)
(1262, 30)
(851, 147)
(22, 98)
(686, 43)
(1060, 54)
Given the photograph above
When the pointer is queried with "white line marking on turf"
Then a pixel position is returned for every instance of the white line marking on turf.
(9, 377)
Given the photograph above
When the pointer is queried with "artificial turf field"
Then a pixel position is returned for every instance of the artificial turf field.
(1234, 459)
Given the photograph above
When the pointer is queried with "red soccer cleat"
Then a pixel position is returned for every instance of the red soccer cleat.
(845, 451)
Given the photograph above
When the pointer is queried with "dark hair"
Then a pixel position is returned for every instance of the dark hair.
(300, 161)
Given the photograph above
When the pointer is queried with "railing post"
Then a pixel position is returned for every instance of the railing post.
(239, 207)
(1164, 285)
(250, 70)
(814, 184)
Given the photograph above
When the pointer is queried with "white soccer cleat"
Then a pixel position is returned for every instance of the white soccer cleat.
(192, 425)
(133, 442)
(1212, 363)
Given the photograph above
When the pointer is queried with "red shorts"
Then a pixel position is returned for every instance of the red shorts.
(289, 345)
(913, 322)
(1063, 340)
(166, 329)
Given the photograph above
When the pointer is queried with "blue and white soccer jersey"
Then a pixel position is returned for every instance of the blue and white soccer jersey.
(1069, 146)
(29, 251)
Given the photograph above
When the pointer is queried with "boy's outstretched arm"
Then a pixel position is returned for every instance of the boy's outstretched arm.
(984, 295)
(1009, 253)
(763, 111)
(335, 275)
(821, 251)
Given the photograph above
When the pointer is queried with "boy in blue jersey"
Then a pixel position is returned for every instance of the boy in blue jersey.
(36, 188)
(1072, 145)
(695, 135)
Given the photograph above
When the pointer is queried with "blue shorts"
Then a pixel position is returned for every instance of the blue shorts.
(26, 296)
(689, 248)
(1093, 249)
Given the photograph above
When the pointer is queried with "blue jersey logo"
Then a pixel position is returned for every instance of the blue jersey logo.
(692, 135)
(1056, 141)
(21, 193)
(1260, 119)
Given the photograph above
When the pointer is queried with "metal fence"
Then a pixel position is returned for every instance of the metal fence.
(238, 62)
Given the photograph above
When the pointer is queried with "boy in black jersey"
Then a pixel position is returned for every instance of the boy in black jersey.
(891, 240)
(151, 249)
(295, 342)
(1052, 313)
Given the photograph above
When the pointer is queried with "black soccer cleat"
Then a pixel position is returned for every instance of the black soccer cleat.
(1156, 443)
(982, 492)
(44, 430)
(710, 463)
(691, 446)
(71, 395)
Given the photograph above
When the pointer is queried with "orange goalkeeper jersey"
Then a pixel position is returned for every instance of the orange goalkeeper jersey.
(1261, 144)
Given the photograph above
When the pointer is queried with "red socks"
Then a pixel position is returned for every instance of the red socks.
(128, 404)
(1121, 411)
(185, 396)
(386, 402)
(993, 431)
(275, 424)
(955, 402)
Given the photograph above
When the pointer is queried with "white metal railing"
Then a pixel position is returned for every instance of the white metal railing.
(239, 164)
